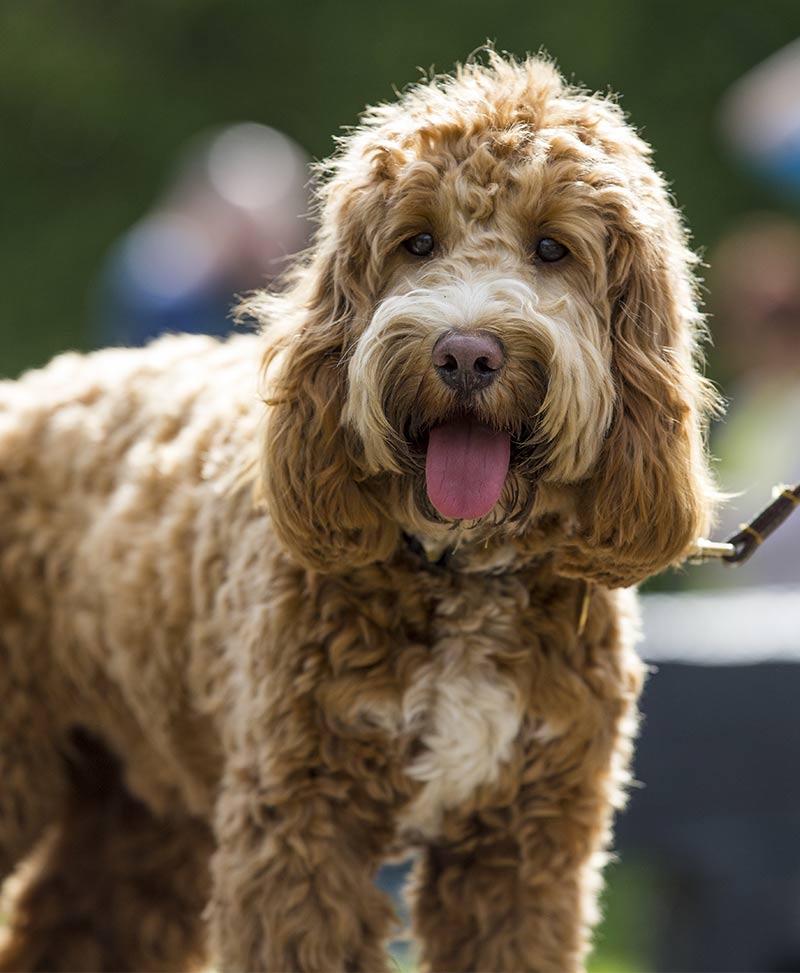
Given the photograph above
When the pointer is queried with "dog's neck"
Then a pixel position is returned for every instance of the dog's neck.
(457, 554)
(467, 550)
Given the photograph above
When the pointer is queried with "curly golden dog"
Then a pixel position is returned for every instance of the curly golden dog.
(252, 645)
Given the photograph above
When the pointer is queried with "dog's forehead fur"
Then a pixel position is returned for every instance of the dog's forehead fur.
(502, 152)
(493, 124)
(514, 107)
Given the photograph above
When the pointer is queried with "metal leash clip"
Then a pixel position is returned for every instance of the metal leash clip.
(741, 546)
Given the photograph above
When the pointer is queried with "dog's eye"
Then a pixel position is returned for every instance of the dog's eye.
(550, 250)
(421, 244)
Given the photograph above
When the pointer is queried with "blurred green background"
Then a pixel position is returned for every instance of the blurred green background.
(97, 96)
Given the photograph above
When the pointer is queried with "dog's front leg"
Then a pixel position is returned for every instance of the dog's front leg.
(293, 876)
(513, 887)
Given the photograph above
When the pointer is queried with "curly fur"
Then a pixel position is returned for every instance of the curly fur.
(252, 703)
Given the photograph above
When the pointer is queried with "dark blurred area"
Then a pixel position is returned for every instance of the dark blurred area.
(155, 160)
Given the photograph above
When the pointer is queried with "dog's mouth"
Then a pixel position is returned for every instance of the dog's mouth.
(466, 464)
(462, 466)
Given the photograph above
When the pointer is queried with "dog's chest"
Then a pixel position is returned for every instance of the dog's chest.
(450, 697)
(464, 717)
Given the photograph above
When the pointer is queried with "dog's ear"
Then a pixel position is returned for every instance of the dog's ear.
(323, 505)
(650, 495)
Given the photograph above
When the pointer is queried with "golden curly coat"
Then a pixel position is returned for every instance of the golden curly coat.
(481, 415)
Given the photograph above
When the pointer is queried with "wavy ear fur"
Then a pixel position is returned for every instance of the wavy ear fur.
(651, 494)
(324, 510)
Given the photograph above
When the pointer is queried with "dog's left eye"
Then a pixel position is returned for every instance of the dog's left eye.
(421, 244)
(550, 250)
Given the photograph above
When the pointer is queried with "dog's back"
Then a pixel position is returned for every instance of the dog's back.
(118, 471)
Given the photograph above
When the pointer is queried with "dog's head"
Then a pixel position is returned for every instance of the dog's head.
(497, 321)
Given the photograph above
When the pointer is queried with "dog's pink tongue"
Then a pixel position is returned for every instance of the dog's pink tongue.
(466, 468)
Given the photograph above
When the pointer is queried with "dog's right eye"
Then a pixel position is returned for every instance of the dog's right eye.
(421, 244)
(550, 251)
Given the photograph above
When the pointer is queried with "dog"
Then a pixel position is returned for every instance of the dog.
(278, 608)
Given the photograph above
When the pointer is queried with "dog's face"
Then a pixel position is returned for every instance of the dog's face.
(497, 322)
(484, 367)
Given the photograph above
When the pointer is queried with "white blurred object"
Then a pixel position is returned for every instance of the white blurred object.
(739, 627)
(241, 156)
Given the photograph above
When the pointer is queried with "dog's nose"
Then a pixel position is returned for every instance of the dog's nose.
(468, 362)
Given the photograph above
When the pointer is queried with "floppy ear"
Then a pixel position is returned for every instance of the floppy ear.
(650, 495)
(323, 507)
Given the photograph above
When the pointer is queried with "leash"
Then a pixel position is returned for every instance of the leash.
(743, 544)
(736, 550)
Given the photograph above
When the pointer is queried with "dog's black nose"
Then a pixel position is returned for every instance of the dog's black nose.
(468, 362)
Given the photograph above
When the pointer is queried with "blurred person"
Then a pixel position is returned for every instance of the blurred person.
(755, 303)
(755, 300)
(233, 211)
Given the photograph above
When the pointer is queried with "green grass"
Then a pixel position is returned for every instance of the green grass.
(622, 944)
